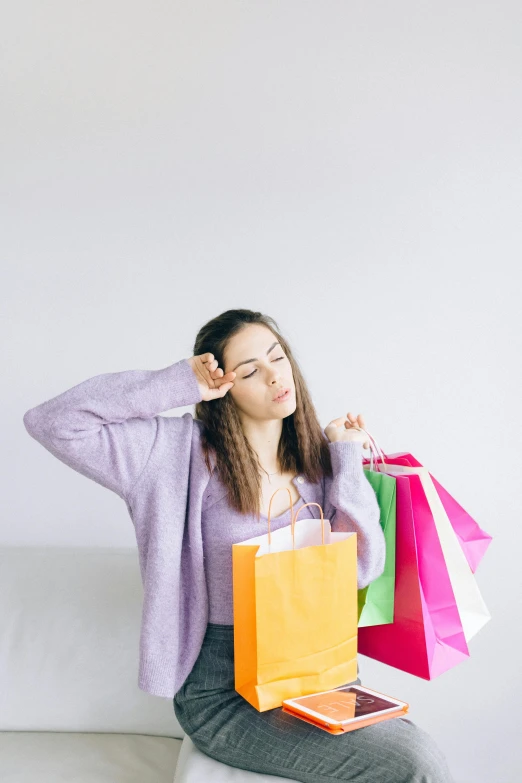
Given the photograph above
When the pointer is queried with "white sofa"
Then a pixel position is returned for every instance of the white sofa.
(70, 707)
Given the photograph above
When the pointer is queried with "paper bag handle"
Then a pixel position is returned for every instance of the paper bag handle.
(291, 511)
(322, 518)
(292, 517)
(375, 449)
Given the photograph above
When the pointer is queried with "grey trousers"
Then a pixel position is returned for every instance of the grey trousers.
(224, 726)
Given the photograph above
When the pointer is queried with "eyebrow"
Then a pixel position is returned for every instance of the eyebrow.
(247, 361)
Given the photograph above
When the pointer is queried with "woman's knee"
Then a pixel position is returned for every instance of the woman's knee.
(421, 759)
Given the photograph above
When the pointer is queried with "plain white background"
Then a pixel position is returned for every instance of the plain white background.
(352, 169)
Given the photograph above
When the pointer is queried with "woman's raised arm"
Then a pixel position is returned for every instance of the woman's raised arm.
(105, 427)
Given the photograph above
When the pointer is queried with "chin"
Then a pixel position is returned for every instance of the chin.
(287, 411)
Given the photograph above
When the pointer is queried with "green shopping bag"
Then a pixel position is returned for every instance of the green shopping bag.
(376, 600)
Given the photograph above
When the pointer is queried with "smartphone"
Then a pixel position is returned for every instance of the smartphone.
(346, 707)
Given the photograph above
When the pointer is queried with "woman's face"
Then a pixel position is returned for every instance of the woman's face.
(262, 371)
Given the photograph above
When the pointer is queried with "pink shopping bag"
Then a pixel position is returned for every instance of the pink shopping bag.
(426, 637)
(473, 540)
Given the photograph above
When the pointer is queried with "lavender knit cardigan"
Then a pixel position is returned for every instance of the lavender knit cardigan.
(108, 428)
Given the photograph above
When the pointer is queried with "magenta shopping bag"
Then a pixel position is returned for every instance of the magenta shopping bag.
(473, 540)
(426, 637)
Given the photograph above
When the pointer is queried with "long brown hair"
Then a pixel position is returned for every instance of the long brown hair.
(303, 446)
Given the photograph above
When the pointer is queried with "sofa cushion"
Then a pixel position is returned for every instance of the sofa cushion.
(69, 643)
(61, 757)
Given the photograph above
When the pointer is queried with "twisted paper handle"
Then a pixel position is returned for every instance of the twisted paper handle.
(375, 450)
(292, 517)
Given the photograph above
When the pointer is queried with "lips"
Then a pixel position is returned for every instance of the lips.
(281, 394)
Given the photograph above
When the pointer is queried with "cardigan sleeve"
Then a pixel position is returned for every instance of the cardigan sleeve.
(351, 504)
(106, 426)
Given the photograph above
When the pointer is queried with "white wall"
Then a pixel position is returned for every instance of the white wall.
(351, 168)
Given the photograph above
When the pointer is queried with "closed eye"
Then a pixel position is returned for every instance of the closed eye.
(254, 372)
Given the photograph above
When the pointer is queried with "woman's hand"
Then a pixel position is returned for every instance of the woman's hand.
(210, 378)
(348, 428)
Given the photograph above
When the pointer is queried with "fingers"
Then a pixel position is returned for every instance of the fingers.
(216, 373)
(210, 363)
(355, 421)
(208, 360)
(351, 420)
(340, 420)
(229, 378)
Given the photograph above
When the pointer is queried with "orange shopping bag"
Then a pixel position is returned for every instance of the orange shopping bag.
(295, 611)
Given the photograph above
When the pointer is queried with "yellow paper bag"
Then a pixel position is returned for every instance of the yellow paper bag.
(295, 611)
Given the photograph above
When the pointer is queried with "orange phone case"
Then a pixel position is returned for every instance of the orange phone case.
(331, 729)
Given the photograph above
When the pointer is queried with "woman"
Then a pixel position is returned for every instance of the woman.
(193, 487)
(242, 363)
